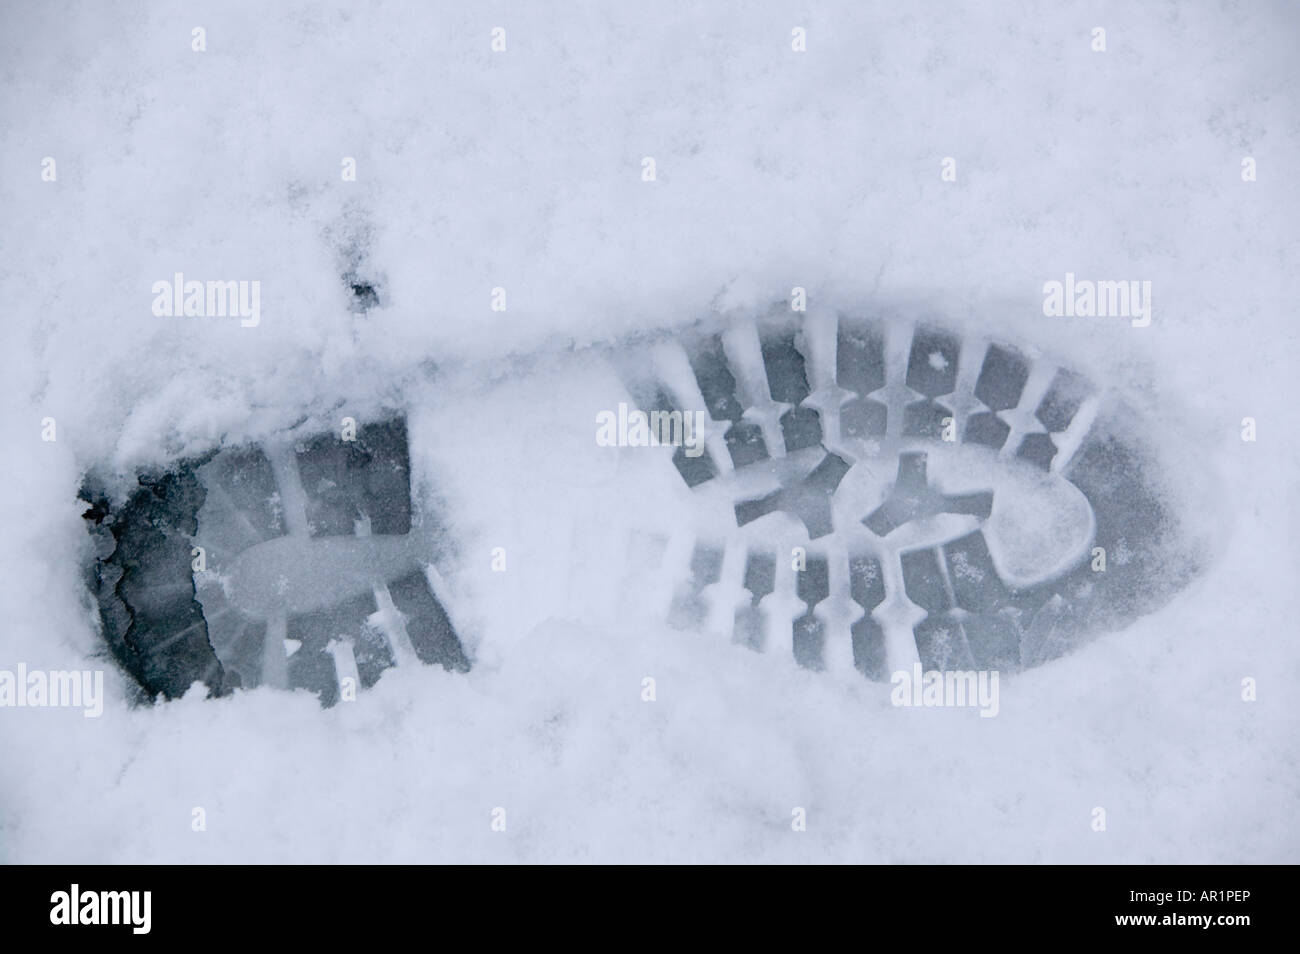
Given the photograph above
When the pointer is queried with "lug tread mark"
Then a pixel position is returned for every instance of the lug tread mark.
(744, 350)
(345, 663)
(809, 500)
(427, 624)
(801, 428)
(1069, 441)
(1062, 401)
(760, 575)
(727, 596)
(993, 622)
(912, 498)
(863, 418)
(932, 363)
(964, 401)
(924, 583)
(925, 419)
(979, 504)
(940, 636)
(787, 377)
(821, 344)
(941, 644)
(1038, 450)
(244, 654)
(372, 654)
(311, 666)
(745, 444)
(680, 387)
(867, 586)
(787, 382)
(1002, 378)
(694, 470)
(716, 382)
(988, 429)
(760, 580)
(781, 608)
(1023, 422)
(705, 569)
(813, 586)
(241, 492)
(275, 659)
(346, 481)
(860, 358)
(839, 612)
(747, 511)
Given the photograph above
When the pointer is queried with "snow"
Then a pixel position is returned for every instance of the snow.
(523, 170)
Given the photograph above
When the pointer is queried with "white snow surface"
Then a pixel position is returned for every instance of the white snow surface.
(522, 169)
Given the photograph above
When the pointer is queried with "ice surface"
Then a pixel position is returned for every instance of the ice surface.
(522, 170)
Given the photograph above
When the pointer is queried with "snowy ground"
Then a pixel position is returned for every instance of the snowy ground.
(522, 169)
